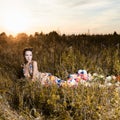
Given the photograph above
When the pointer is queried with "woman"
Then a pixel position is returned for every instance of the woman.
(30, 70)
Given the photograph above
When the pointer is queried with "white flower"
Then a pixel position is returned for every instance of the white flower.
(73, 76)
(82, 71)
(79, 71)
(109, 78)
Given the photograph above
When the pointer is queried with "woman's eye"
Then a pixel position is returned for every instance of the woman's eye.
(28, 55)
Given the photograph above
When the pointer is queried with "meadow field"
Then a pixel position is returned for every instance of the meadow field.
(61, 55)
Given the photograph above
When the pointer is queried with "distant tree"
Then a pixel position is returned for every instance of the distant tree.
(115, 33)
(22, 36)
(36, 34)
(3, 38)
(3, 34)
(22, 40)
(53, 34)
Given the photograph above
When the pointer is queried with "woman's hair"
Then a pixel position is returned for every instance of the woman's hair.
(27, 49)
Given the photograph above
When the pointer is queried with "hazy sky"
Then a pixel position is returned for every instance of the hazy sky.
(65, 16)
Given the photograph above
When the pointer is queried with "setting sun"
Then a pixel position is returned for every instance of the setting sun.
(15, 23)
(75, 17)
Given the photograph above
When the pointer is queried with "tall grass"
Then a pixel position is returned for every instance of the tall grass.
(59, 55)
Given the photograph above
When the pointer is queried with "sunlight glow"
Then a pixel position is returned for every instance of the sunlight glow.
(75, 16)
(15, 22)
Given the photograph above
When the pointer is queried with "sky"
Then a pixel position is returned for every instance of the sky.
(63, 16)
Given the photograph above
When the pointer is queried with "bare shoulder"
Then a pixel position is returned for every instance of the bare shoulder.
(34, 62)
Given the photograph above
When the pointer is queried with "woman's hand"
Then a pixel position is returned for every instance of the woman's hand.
(27, 75)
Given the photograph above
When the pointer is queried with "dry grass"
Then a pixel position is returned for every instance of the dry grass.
(20, 99)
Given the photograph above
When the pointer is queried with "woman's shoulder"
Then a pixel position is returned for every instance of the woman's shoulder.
(34, 62)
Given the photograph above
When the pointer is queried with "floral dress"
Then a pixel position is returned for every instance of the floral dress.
(45, 78)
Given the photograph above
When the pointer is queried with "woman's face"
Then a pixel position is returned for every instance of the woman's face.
(28, 56)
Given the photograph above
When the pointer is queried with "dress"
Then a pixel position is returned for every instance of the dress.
(45, 78)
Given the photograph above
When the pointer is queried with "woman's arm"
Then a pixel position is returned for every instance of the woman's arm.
(35, 70)
(25, 71)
